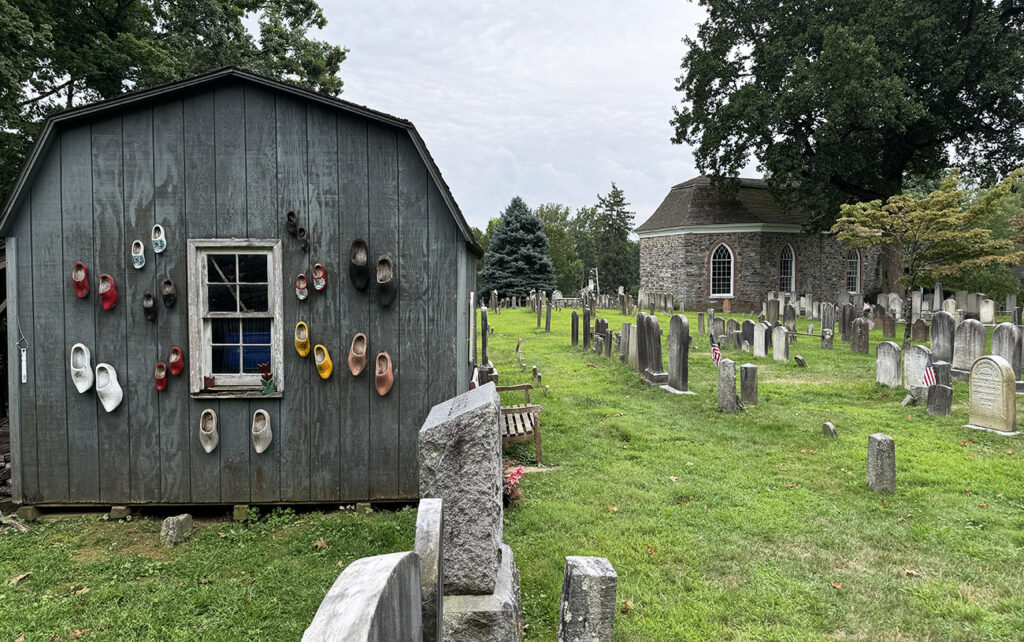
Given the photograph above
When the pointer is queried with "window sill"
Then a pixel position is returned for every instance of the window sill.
(235, 394)
(720, 296)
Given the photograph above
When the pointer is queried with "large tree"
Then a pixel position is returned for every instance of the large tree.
(936, 235)
(56, 54)
(839, 101)
(614, 249)
(518, 259)
(564, 257)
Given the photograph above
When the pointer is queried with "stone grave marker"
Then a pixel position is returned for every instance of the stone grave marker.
(1006, 342)
(800, 361)
(914, 362)
(586, 328)
(987, 311)
(859, 336)
(789, 318)
(575, 328)
(718, 327)
(919, 331)
(727, 400)
(678, 352)
(748, 384)
(993, 396)
(949, 307)
(888, 327)
(968, 345)
(829, 430)
(943, 327)
(940, 400)
(700, 323)
(762, 334)
(587, 612)
(888, 364)
(747, 331)
(780, 343)
(654, 373)
(881, 469)
(773, 311)
(915, 305)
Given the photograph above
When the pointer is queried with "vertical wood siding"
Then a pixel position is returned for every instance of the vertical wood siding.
(231, 162)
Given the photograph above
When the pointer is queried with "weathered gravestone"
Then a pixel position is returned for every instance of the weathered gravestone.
(800, 361)
(974, 303)
(859, 336)
(914, 363)
(919, 331)
(748, 384)
(987, 311)
(949, 307)
(943, 327)
(175, 529)
(624, 342)
(940, 400)
(547, 318)
(485, 358)
(575, 328)
(780, 343)
(632, 349)
(881, 469)
(429, 546)
(700, 324)
(888, 364)
(586, 328)
(993, 396)
(654, 373)
(773, 311)
(460, 463)
(888, 327)
(727, 400)
(937, 296)
(828, 325)
(961, 299)
(718, 327)
(846, 318)
(1006, 342)
(789, 318)
(968, 345)
(747, 331)
(829, 430)
(678, 352)
(762, 339)
(587, 613)
(915, 305)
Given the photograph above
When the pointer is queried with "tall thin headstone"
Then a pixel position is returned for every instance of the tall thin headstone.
(968, 345)
(943, 327)
(575, 328)
(1006, 342)
(859, 336)
(748, 384)
(727, 399)
(780, 343)
(881, 469)
(678, 352)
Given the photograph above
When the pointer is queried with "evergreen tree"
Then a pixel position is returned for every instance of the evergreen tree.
(614, 252)
(519, 257)
(564, 257)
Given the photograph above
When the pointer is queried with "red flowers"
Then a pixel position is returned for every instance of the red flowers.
(513, 477)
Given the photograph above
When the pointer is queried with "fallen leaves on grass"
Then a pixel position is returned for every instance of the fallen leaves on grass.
(846, 471)
(836, 585)
(18, 578)
(626, 607)
(885, 502)
(651, 550)
(77, 633)
(1010, 452)
(321, 544)
(613, 509)
(807, 451)
(792, 485)
(222, 535)
(673, 478)
(969, 492)
(911, 573)
(982, 505)
(590, 365)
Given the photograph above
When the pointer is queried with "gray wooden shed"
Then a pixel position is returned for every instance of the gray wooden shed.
(223, 157)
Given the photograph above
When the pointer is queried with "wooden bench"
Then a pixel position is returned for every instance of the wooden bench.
(521, 422)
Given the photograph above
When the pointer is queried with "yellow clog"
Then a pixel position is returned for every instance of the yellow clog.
(302, 339)
(324, 365)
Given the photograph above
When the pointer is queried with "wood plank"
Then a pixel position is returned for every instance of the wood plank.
(384, 411)
(229, 194)
(200, 222)
(324, 323)
(111, 257)
(462, 325)
(264, 221)
(443, 312)
(414, 339)
(80, 314)
(48, 312)
(353, 223)
(177, 431)
(143, 347)
(292, 196)
(22, 331)
(14, 365)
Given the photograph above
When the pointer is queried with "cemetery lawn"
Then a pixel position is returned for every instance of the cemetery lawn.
(754, 525)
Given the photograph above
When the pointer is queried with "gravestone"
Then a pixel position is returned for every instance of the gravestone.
(881, 469)
(888, 327)
(547, 318)
(718, 327)
(961, 299)
(654, 373)
(914, 363)
(762, 334)
(789, 318)
(859, 336)
(949, 307)
(829, 430)
(896, 306)
(915, 305)
(968, 345)
(987, 311)
(748, 384)
(1006, 342)
(942, 372)
(800, 361)
(485, 359)
(624, 342)
(773, 311)
(587, 613)
(937, 296)
(540, 310)
(460, 463)
(780, 343)
(943, 328)
(429, 546)
(1011, 303)
(678, 352)
(919, 331)
(888, 364)
(846, 318)
(727, 400)
(993, 396)
(974, 303)
(828, 325)
(747, 331)
(940, 400)
(575, 328)
(700, 324)
(632, 350)
(586, 328)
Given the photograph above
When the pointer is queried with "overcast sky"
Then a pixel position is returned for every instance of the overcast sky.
(551, 100)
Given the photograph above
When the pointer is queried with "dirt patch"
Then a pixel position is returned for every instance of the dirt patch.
(90, 554)
(149, 550)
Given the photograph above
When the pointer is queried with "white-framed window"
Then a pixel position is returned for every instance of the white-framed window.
(787, 269)
(853, 271)
(721, 271)
(236, 315)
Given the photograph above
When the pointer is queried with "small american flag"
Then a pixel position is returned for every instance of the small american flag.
(929, 373)
(716, 354)
(871, 324)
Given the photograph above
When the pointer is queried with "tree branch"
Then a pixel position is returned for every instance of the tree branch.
(51, 92)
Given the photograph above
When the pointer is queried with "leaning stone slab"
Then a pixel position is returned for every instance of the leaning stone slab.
(460, 463)
(800, 361)
(175, 529)
(430, 548)
(496, 617)
(993, 396)
(828, 429)
(588, 600)
(881, 471)
(373, 600)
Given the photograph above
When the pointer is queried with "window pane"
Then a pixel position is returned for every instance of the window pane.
(255, 355)
(252, 268)
(721, 271)
(225, 330)
(220, 268)
(225, 359)
(256, 331)
(253, 298)
(222, 298)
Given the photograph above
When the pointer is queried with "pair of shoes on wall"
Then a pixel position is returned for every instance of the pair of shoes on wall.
(160, 372)
(260, 431)
(383, 377)
(324, 365)
(105, 377)
(80, 284)
(359, 272)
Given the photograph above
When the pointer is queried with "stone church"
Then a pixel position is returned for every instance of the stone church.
(726, 250)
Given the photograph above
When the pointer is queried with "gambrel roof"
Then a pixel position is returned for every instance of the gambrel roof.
(39, 148)
(697, 202)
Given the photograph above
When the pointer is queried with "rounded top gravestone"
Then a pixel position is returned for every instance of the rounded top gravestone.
(993, 396)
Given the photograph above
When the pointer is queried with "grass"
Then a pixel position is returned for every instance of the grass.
(768, 530)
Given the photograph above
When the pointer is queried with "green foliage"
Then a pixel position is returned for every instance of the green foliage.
(615, 251)
(582, 229)
(53, 56)
(519, 257)
(996, 281)
(564, 256)
(838, 101)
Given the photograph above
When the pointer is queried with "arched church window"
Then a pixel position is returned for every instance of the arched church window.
(787, 269)
(853, 271)
(721, 271)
